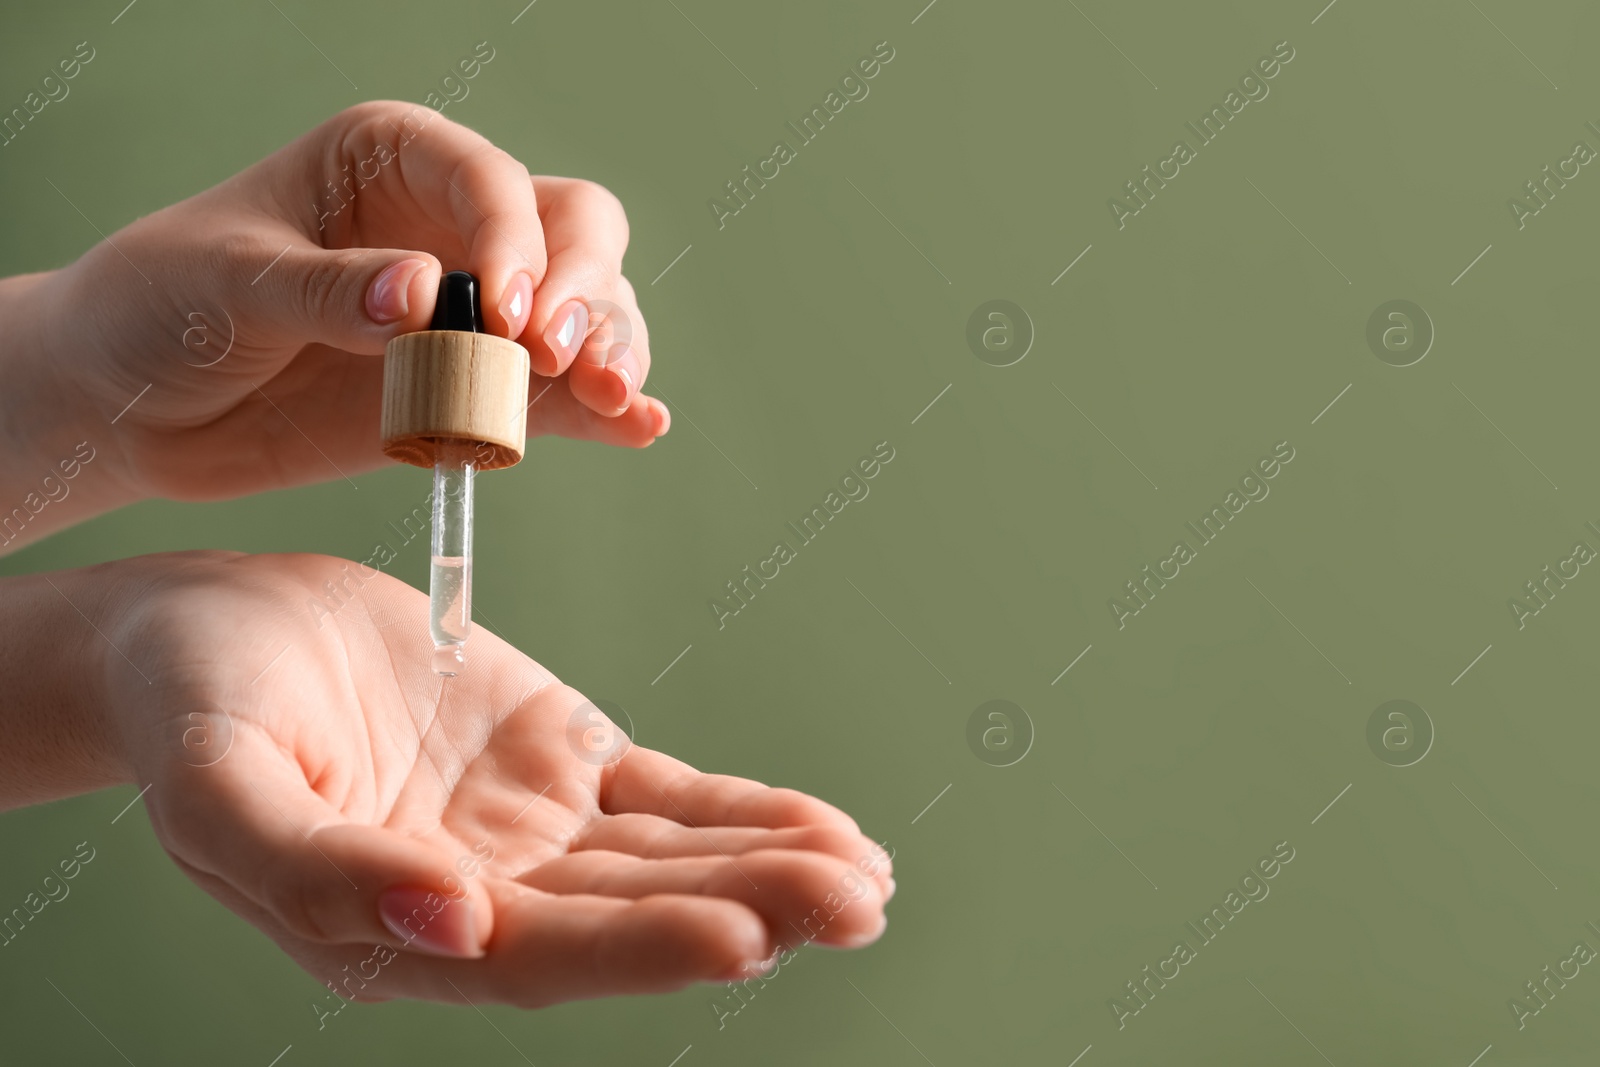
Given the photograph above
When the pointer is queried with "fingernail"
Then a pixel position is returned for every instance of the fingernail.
(623, 365)
(517, 304)
(663, 418)
(430, 922)
(387, 299)
(567, 329)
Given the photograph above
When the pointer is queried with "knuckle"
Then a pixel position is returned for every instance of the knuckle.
(234, 254)
(596, 195)
(487, 162)
(371, 112)
(600, 275)
(593, 197)
(595, 274)
(324, 283)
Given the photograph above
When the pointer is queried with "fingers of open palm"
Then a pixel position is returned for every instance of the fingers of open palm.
(785, 886)
(547, 948)
(653, 837)
(550, 948)
(656, 784)
(659, 943)
(252, 820)
(460, 179)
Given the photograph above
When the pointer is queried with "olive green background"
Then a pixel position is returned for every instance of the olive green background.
(822, 320)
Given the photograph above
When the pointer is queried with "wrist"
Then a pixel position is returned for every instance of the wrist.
(58, 664)
(61, 453)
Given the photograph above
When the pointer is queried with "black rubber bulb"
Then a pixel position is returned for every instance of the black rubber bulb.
(457, 307)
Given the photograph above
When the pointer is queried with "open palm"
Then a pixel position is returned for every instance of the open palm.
(311, 772)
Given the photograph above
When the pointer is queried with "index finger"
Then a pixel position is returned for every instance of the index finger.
(462, 181)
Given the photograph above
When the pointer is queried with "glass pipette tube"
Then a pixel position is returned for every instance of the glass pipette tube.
(450, 578)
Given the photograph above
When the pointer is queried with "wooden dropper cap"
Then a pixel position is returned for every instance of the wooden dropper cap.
(455, 383)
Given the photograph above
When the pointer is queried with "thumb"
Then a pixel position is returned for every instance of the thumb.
(259, 827)
(354, 299)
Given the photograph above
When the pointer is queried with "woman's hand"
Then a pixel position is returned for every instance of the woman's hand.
(490, 837)
(245, 323)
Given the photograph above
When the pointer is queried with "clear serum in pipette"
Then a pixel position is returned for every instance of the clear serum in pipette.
(450, 577)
